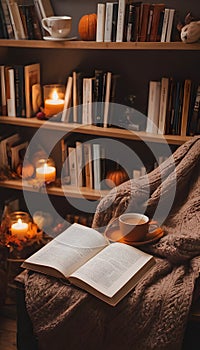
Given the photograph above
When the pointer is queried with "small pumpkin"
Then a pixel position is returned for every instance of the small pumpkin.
(116, 177)
(26, 170)
(87, 27)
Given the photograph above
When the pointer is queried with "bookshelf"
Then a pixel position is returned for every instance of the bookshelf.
(136, 62)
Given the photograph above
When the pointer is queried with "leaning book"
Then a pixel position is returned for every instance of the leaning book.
(85, 257)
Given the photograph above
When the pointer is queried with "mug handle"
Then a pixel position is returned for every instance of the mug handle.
(44, 24)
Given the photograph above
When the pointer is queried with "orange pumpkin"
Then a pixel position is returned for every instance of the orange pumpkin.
(116, 177)
(87, 27)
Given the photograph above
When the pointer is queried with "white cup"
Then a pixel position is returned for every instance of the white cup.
(57, 26)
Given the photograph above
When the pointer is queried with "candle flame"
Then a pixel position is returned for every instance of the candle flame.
(55, 95)
(19, 221)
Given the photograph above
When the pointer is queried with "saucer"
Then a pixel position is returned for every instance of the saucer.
(114, 235)
(50, 38)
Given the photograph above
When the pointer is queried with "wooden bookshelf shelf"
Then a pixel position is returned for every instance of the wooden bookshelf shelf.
(93, 45)
(94, 130)
(67, 191)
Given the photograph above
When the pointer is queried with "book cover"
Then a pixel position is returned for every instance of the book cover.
(20, 91)
(3, 90)
(153, 107)
(137, 21)
(98, 97)
(87, 101)
(72, 159)
(108, 22)
(129, 22)
(100, 22)
(87, 149)
(31, 77)
(82, 256)
(163, 105)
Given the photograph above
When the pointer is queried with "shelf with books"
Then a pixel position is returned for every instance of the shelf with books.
(94, 130)
(67, 190)
(92, 45)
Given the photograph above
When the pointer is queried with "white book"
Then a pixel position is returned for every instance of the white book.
(100, 22)
(68, 100)
(120, 20)
(107, 99)
(170, 24)
(11, 105)
(87, 101)
(87, 147)
(153, 107)
(75, 97)
(163, 105)
(108, 22)
(82, 255)
(165, 25)
(79, 162)
(72, 166)
(97, 165)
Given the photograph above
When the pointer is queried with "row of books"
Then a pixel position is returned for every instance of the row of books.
(134, 21)
(20, 94)
(173, 107)
(22, 19)
(12, 150)
(84, 164)
(89, 97)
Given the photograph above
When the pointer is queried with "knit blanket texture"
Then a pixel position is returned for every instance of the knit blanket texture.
(155, 313)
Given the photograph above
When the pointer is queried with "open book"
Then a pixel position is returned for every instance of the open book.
(86, 258)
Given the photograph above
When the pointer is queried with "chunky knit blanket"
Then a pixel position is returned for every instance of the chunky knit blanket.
(153, 315)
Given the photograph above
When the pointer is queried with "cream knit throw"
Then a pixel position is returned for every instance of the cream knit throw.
(155, 313)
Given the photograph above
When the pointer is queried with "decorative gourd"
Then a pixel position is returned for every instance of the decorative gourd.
(26, 170)
(116, 177)
(87, 27)
(42, 219)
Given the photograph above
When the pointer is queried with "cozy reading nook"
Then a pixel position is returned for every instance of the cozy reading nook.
(128, 67)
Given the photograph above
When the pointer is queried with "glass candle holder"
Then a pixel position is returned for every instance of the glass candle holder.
(45, 170)
(53, 99)
(19, 224)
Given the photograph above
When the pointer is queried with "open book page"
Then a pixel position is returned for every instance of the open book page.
(67, 252)
(112, 269)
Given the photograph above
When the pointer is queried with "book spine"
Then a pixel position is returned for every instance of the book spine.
(185, 109)
(6, 21)
(195, 113)
(97, 98)
(31, 77)
(72, 166)
(100, 22)
(11, 100)
(68, 98)
(79, 161)
(97, 166)
(3, 91)
(19, 88)
(46, 8)
(165, 24)
(170, 25)
(153, 107)
(108, 22)
(157, 9)
(120, 20)
(144, 22)
(107, 99)
(163, 104)
(114, 21)
(129, 22)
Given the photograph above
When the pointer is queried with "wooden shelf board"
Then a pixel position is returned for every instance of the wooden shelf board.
(68, 191)
(93, 45)
(95, 130)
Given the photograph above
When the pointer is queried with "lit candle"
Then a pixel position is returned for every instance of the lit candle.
(46, 173)
(54, 105)
(19, 229)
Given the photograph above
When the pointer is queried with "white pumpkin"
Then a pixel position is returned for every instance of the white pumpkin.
(190, 33)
